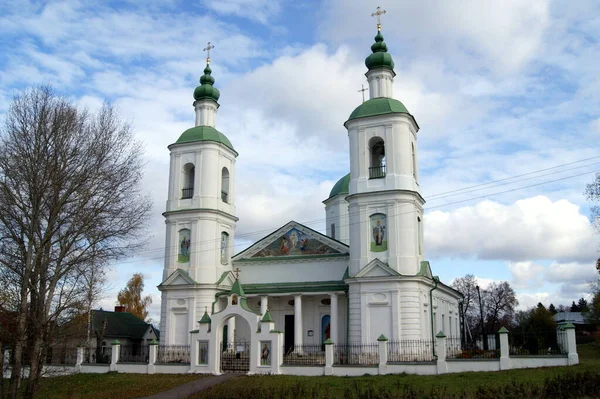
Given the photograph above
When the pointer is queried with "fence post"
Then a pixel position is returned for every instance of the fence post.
(79, 359)
(440, 342)
(571, 344)
(114, 358)
(328, 357)
(383, 354)
(504, 351)
(152, 352)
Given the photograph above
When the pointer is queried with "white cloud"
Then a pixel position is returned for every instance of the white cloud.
(533, 228)
(256, 10)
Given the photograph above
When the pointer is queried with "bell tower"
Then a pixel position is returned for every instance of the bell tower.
(385, 204)
(200, 216)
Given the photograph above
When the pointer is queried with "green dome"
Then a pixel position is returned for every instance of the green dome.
(206, 89)
(378, 106)
(204, 133)
(341, 187)
(380, 57)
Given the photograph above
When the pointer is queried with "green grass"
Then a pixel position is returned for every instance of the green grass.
(108, 386)
(451, 384)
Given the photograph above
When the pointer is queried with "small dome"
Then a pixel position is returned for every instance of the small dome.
(204, 133)
(341, 187)
(206, 89)
(378, 106)
(380, 57)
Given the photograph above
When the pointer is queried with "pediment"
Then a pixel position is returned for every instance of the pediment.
(226, 281)
(293, 240)
(377, 268)
(178, 277)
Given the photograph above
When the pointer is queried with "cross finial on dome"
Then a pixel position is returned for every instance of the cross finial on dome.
(379, 13)
(207, 49)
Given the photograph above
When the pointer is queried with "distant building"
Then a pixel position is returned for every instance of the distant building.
(582, 326)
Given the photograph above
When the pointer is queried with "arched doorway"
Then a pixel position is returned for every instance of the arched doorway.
(235, 346)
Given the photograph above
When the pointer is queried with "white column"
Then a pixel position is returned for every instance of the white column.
(298, 320)
(333, 326)
(231, 333)
(264, 304)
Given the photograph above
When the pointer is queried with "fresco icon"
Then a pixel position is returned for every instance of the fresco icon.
(295, 243)
(184, 246)
(379, 232)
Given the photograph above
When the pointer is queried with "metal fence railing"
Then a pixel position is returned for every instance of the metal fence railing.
(101, 355)
(173, 354)
(56, 355)
(356, 354)
(526, 343)
(304, 355)
(134, 353)
(410, 350)
(455, 349)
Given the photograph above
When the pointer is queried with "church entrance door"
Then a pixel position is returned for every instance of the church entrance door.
(288, 333)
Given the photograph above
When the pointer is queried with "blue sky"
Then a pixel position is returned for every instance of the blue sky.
(499, 89)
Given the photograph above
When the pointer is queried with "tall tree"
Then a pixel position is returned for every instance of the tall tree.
(552, 309)
(467, 286)
(592, 193)
(69, 183)
(131, 297)
(583, 305)
(500, 302)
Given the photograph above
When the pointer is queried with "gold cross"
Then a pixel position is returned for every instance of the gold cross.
(363, 91)
(207, 49)
(379, 13)
(237, 273)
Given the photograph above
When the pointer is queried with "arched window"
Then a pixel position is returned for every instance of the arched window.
(379, 229)
(189, 172)
(414, 161)
(377, 154)
(225, 185)
(184, 246)
(224, 248)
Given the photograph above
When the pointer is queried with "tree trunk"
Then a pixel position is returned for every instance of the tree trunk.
(36, 366)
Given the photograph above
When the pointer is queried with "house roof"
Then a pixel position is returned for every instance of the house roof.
(120, 324)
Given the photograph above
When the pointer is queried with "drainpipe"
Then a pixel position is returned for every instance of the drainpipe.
(435, 282)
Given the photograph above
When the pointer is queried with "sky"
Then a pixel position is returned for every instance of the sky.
(506, 95)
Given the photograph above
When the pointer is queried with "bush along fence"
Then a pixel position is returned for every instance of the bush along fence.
(269, 355)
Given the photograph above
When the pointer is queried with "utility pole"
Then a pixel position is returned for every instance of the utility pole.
(483, 337)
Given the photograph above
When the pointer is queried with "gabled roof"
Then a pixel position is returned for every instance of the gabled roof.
(293, 241)
(377, 268)
(119, 324)
(178, 277)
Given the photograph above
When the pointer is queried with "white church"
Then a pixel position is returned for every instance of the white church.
(366, 277)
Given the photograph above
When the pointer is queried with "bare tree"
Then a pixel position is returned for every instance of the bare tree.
(69, 196)
(467, 286)
(499, 301)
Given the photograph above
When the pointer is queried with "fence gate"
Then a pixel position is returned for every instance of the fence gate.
(235, 357)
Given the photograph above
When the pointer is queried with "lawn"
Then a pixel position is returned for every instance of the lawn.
(447, 385)
(109, 386)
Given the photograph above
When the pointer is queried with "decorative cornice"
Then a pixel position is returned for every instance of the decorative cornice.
(208, 210)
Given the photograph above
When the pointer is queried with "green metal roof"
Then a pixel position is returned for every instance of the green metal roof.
(205, 318)
(380, 57)
(237, 288)
(267, 318)
(206, 90)
(378, 106)
(204, 133)
(341, 187)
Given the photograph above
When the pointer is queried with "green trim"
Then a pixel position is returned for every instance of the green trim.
(382, 338)
(328, 342)
(205, 318)
(424, 266)
(346, 274)
(275, 288)
(379, 248)
(244, 305)
(116, 342)
(503, 330)
(267, 318)
(431, 313)
(293, 257)
(153, 342)
(568, 326)
(440, 335)
(236, 288)
(194, 331)
(223, 277)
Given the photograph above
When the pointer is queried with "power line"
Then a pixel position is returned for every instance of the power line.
(351, 224)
